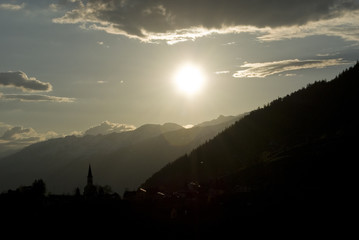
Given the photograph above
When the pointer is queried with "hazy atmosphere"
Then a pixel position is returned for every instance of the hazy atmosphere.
(199, 111)
(69, 65)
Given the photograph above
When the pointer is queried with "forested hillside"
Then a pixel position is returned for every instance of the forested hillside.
(302, 141)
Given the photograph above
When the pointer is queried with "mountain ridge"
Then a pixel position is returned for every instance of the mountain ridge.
(62, 162)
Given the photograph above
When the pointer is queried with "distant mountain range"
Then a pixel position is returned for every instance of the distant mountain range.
(291, 163)
(122, 160)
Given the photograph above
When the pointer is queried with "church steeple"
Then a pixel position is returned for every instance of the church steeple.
(89, 176)
(90, 189)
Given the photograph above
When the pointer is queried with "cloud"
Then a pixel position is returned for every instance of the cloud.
(345, 26)
(35, 98)
(229, 43)
(12, 7)
(261, 70)
(21, 80)
(16, 137)
(20, 133)
(222, 72)
(101, 43)
(323, 54)
(107, 127)
(181, 20)
(3, 128)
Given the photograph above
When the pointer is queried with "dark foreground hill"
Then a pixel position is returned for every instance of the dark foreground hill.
(297, 153)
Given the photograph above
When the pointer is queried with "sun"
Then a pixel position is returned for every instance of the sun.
(189, 79)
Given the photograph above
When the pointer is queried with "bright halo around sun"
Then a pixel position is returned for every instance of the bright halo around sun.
(189, 79)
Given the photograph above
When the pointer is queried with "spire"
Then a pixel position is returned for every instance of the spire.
(90, 189)
(89, 172)
(89, 176)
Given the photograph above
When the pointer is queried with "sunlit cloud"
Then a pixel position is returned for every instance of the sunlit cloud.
(222, 72)
(345, 26)
(21, 80)
(54, 7)
(176, 21)
(264, 69)
(229, 43)
(323, 54)
(108, 127)
(4, 127)
(17, 133)
(101, 43)
(12, 7)
(16, 137)
(35, 98)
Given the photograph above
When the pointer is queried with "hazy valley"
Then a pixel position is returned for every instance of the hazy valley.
(121, 160)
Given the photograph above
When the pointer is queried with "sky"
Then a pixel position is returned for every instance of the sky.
(68, 66)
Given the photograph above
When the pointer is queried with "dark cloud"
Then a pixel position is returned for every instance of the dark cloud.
(155, 19)
(35, 98)
(21, 80)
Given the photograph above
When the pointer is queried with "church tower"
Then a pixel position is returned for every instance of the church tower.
(89, 176)
(90, 189)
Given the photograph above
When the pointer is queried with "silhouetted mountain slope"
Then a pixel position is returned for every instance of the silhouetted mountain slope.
(221, 119)
(302, 141)
(121, 160)
(131, 166)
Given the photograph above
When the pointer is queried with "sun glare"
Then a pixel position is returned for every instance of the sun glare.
(189, 79)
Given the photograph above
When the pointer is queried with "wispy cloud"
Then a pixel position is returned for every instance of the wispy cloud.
(264, 69)
(345, 26)
(323, 54)
(181, 20)
(21, 80)
(222, 72)
(101, 43)
(229, 43)
(35, 98)
(12, 7)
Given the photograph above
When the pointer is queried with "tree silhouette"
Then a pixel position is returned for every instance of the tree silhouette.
(39, 188)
